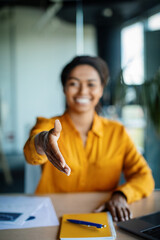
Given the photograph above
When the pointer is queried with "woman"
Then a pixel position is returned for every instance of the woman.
(92, 151)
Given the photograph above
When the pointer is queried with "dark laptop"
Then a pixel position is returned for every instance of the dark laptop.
(147, 226)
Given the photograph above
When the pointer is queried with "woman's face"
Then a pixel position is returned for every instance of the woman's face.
(83, 89)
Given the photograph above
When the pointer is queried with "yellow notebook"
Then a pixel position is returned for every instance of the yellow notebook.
(77, 231)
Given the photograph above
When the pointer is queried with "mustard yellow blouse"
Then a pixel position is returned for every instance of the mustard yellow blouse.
(95, 167)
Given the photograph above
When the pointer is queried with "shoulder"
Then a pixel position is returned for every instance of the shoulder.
(108, 123)
(114, 130)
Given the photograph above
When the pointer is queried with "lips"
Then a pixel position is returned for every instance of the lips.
(82, 100)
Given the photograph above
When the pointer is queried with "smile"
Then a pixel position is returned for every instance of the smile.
(82, 100)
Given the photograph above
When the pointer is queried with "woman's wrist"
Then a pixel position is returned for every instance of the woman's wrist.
(119, 193)
(39, 142)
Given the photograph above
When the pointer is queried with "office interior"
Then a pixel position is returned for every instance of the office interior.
(37, 38)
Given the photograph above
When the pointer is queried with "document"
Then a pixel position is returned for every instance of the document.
(26, 212)
(70, 230)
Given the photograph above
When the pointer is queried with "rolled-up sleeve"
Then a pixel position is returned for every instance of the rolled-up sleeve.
(31, 155)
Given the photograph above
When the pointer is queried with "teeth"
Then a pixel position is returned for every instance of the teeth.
(82, 100)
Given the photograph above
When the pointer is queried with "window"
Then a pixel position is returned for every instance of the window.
(132, 53)
(154, 22)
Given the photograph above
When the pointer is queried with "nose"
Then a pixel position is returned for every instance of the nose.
(83, 89)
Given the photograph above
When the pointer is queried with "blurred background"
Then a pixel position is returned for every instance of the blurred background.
(37, 38)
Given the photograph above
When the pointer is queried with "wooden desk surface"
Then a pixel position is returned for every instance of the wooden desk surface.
(80, 203)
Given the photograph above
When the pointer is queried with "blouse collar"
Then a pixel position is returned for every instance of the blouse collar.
(97, 126)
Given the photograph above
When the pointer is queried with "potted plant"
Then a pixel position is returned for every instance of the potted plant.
(151, 97)
(147, 95)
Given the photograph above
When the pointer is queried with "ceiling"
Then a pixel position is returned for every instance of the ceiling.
(97, 12)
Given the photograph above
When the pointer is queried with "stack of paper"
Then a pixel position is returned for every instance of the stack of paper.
(26, 212)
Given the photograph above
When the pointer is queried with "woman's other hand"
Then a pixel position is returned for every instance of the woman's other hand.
(46, 143)
(117, 206)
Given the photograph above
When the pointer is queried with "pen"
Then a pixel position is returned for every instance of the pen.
(89, 224)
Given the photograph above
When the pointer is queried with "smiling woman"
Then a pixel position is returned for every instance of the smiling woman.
(83, 89)
(91, 150)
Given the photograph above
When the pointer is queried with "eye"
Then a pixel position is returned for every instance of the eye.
(72, 83)
(91, 84)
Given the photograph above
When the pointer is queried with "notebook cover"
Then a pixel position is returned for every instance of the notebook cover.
(78, 231)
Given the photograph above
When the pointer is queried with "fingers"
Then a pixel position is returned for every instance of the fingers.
(108, 207)
(113, 212)
(126, 214)
(120, 213)
(52, 150)
(123, 213)
(57, 154)
(100, 208)
(57, 162)
(65, 169)
(118, 208)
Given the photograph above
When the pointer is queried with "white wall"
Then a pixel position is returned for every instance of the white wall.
(6, 96)
(32, 57)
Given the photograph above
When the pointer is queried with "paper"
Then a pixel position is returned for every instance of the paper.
(26, 212)
(15, 210)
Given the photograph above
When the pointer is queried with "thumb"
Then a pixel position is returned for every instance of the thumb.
(57, 128)
(100, 208)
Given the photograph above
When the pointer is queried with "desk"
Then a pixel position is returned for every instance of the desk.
(80, 203)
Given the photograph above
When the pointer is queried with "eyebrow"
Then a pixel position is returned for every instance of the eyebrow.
(74, 78)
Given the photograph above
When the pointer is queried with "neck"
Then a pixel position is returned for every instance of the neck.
(82, 122)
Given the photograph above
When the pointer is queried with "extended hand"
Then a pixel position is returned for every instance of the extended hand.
(117, 206)
(46, 142)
